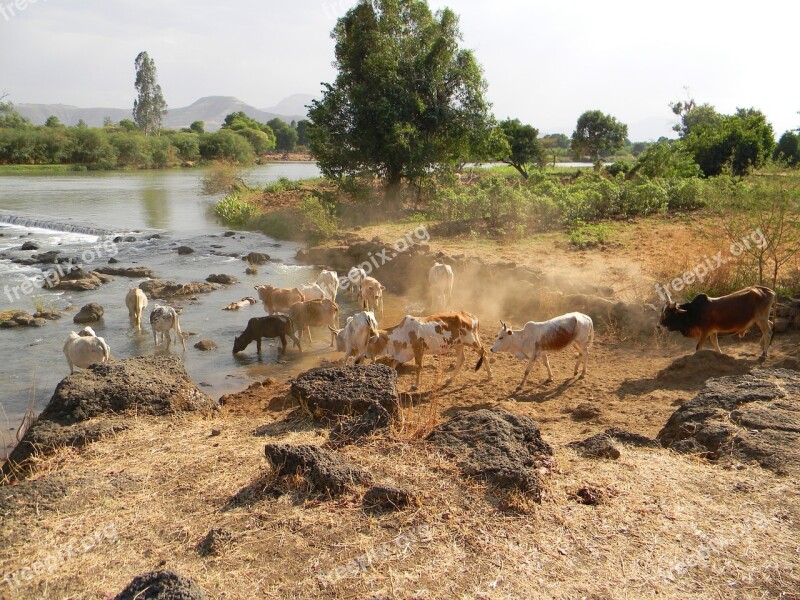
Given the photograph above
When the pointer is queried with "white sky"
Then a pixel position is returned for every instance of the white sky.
(546, 62)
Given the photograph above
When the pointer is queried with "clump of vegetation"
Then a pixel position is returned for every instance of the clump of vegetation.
(234, 210)
(314, 221)
(221, 177)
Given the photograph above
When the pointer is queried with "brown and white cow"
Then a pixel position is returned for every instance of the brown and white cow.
(354, 337)
(436, 334)
(314, 313)
(278, 299)
(705, 317)
(539, 338)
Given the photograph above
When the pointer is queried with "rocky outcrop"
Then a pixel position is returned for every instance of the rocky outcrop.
(156, 288)
(751, 417)
(90, 313)
(132, 272)
(161, 585)
(221, 279)
(597, 446)
(353, 429)
(184, 250)
(19, 318)
(77, 280)
(324, 470)
(496, 445)
(30, 246)
(256, 258)
(92, 403)
(206, 345)
(353, 390)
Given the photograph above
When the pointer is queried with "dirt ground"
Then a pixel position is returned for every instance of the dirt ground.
(665, 525)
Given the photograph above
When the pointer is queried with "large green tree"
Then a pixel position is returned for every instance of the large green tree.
(524, 147)
(10, 118)
(788, 148)
(149, 107)
(597, 135)
(407, 99)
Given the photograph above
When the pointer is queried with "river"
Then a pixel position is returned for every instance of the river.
(74, 212)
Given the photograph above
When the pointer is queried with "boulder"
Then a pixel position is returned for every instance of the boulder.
(222, 279)
(90, 313)
(161, 585)
(30, 246)
(325, 471)
(256, 258)
(46, 257)
(92, 403)
(586, 411)
(184, 250)
(206, 345)
(781, 324)
(156, 288)
(351, 430)
(126, 271)
(499, 446)
(77, 280)
(346, 391)
(751, 417)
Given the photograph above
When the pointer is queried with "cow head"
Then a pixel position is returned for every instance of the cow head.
(505, 339)
(340, 345)
(673, 317)
(240, 343)
(376, 345)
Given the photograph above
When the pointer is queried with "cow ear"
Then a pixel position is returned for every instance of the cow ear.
(509, 332)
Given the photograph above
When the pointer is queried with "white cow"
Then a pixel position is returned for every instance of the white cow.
(528, 343)
(136, 301)
(355, 276)
(164, 319)
(314, 291)
(329, 282)
(440, 280)
(371, 294)
(353, 338)
(438, 334)
(84, 349)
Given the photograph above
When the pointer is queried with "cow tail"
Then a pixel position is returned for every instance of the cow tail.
(774, 318)
(591, 335)
(480, 360)
(106, 352)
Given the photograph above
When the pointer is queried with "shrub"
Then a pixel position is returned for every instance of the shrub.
(234, 210)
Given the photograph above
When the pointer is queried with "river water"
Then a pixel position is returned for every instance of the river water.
(74, 213)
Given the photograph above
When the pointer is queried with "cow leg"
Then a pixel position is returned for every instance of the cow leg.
(701, 341)
(418, 356)
(296, 341)
(534, 356)
(715, 341)
(482, 353)
(459, 364)
(581, 359)
(766, 335)
(333, 339)
(258, 345)
(283, 343)
(547, 364)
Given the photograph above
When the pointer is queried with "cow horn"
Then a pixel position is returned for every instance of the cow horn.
(503, 325)
(336, 331)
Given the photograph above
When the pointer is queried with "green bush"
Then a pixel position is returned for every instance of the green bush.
(234, 210)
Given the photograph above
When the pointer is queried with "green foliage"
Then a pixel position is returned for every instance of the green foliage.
(149, 107)
(233, 210)
(10, 118)
(128, 125)
(187, 146)
(198, 127)
(260, 141)
(406, 100)
(597, 135)
(664, 159)
(743, 140)
(302, 132)
(788, 149)
(619, 166)
(221, 177)
(285, 135)
(284, 184)
(92, 147)
(226, 145)
(53, 121)
(523, 147)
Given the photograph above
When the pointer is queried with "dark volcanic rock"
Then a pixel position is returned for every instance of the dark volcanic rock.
(597, 446)
(256, 258)
(89, 313)
(746, 417)
(154, 385)
(221, 279)
(161, 585)
(350, 430)
(326, 471)
(586, 411)
(155, 288)
(30, 246)
(337, 391)
(389, 497)
(631, 439)
(127, 271)
(497, 445)
(184, 250)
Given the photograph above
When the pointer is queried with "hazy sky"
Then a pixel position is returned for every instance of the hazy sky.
(546, 62)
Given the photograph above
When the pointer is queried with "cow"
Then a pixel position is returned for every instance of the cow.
(353, 338)
(329, 282)
(355, 276)
(313, 291)
(273, 326)
(84, 349)
(371, 294)
(136, 301)
(164, 319)
(278, 299)
(246, 301)
(314, 313)
(436, 334)
(705, 317)
(440, 280)
(539, 338)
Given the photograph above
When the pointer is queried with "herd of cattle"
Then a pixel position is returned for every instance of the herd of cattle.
(292, 312)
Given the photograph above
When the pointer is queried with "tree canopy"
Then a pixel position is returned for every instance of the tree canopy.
(149, 107)
(597, 135)
(524, 147)
(406, 101)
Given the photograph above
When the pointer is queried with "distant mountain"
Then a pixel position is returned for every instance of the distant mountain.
(211, 109)
(293, 105)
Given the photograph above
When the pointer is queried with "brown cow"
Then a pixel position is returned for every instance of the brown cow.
(705, 317)
(315, 313)
(278, 299)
